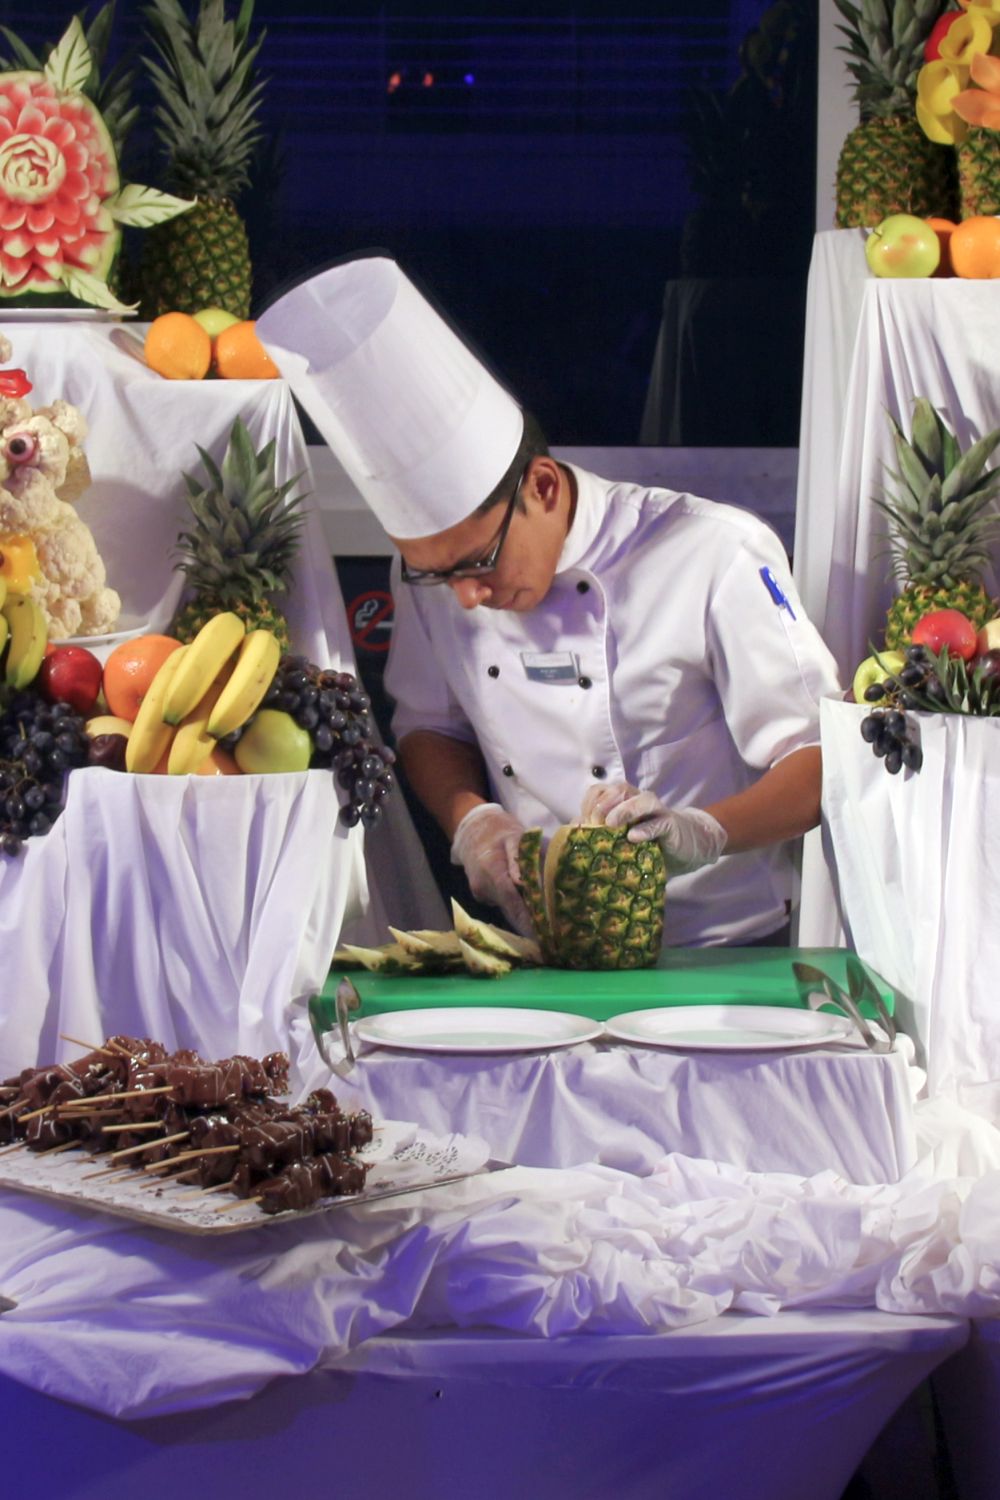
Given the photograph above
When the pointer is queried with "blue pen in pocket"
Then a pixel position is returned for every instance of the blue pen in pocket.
(774, 589)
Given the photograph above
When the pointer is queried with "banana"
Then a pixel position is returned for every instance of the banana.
(151, 737)
(204, 659)
(252, 676)
(192, 744)
(4, 632)
(28, 636)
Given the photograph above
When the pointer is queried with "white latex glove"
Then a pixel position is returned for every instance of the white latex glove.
(485, 845)
(689, 837)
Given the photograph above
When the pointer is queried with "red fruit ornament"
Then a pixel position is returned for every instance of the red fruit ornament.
(71, 674)
(947, 628)
(938, 32)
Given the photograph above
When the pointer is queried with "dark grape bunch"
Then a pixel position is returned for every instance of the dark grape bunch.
(39, 743)
(887, 730)
(333, 707)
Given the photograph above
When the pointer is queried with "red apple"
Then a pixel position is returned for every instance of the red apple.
(71, 674)
(947, 627)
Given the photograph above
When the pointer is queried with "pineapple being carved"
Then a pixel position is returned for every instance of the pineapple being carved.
(887, 165)
(941, 518)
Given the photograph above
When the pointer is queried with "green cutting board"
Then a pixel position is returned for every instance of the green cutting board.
(684, 976)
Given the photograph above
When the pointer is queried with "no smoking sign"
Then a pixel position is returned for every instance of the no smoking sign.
(369, 617)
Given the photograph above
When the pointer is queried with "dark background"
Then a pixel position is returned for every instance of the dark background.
(551, 178)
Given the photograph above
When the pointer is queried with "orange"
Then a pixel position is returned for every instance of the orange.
(943, 228)
(130, 669)
(240, 355)
(178, 348)
(975, 248)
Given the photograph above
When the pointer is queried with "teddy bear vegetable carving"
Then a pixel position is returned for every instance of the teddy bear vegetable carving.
(45, 548)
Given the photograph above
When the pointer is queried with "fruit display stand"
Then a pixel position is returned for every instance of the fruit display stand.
(918, 864)
(194, 912)
(872, 346)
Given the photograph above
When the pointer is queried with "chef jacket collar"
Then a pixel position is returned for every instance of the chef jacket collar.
(591, 507)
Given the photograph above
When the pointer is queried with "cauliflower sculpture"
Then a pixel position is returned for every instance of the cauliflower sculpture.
(45, 549)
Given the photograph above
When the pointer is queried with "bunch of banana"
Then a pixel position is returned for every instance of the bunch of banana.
(24, 631)
(202, 692)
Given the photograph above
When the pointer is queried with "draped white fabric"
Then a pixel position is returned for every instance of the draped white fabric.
(199, 911)
(872, 346)
(534, 1251)
(624, 1107)
(918, 860)
(760, 1408)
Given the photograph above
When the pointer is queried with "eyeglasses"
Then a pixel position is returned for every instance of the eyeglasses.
(425, 577)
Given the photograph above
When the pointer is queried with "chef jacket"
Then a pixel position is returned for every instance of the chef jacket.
(661, 655)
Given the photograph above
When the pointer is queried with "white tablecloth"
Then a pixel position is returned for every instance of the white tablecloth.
(795, 1399)
(872, 346)
(200, 911)
(624, 1106)
(918, 862)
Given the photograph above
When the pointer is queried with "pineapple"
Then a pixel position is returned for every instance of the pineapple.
(887, 165)
(938, 523)
(208, 126)
(978, 159)
(599, 904)
(243, 542)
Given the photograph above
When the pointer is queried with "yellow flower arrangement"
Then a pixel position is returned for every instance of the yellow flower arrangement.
(945, 79)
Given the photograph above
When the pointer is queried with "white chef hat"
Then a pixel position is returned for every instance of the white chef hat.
(421, 426)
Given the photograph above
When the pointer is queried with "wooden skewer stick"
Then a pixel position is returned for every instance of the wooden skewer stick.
(12, 1109)
(88, 1100)
(145, 1125)
(17, 1146)
(87, 1046)
(158, 1166)
(182, 1135)
(228, 1208)
(109, 1172)
(53, 1150)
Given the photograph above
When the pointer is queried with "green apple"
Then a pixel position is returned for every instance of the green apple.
(273, 742)
(903, 245)
(214, 320)
(876, 669)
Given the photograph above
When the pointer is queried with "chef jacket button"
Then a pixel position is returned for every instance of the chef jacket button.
(598, 772)
(508, 769)
(583, 587)
(493, 671)
(585, 682)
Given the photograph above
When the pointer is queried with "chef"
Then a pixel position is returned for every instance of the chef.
(564, 646)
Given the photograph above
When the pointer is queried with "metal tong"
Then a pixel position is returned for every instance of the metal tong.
(817, 989)
(346, 999)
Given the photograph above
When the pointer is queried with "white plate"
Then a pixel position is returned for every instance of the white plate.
(729, 1028)
(484, 1028)
(60, 315)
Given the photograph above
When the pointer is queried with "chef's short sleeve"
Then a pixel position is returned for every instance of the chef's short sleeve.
(413, 675)
(770, 664)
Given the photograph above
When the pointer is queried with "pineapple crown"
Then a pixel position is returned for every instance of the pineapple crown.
(246, 531)
(885, 51)
(110, 93)
(206, 118)
(937, 520)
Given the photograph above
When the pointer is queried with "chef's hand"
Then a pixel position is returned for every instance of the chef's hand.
(689, 837)
(485, 845)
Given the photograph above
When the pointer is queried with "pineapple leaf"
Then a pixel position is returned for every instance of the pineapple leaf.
(23, 57)
(140, 207)
(927, 435)
(914, 474)
(69, 64)
(970, 466)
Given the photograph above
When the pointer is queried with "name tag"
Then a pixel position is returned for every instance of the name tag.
(550, 666)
